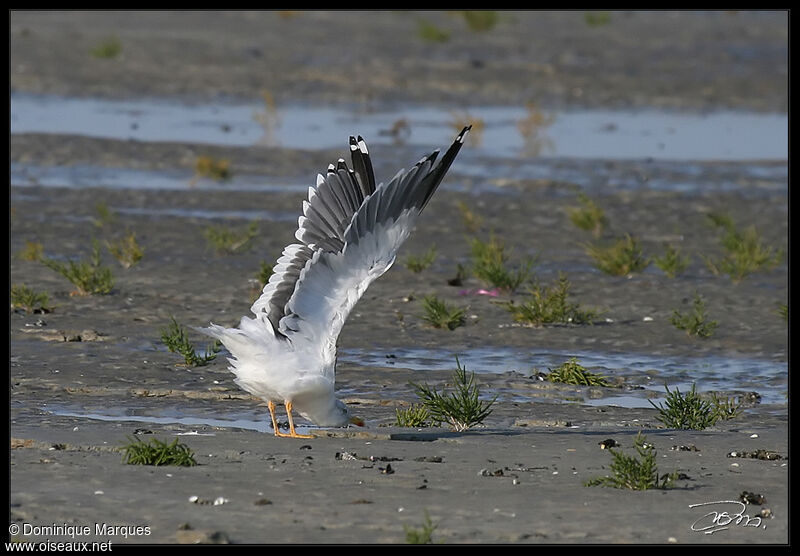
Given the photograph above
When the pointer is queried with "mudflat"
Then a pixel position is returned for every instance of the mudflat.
(91, 374)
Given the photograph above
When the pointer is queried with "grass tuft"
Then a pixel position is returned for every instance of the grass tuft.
(694, 323)
(90, 277)
(588, 217)
(126, 250)
(480, 20)
(30, 301)
(622, 258)
(218, 169)
(422, 535)
(461, 409)
(108, 48)
(744, 250)
(548, 305)
(471, 220)
(440, 315)
(417, 415)
(688, 411)
(177, 341)
(672, 263)
(418, 263)
(227, 241)
(572, 372)
(33, 251)
(157, 452)
(430, 32)
(635, 473)
(489, 265)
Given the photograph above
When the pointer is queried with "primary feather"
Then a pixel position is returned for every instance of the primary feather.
(349, 235)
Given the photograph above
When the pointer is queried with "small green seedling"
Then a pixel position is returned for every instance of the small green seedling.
(745, 252)
(597, 19)
(177, 341)
(422, 535)
(588, 217)
(441, 315)
(105, 215)
(725, 407)
(30, 301)
(157, 452)
(572, 372)
(33, 251)
(430, 32)
(126, 250)
(480, 21)
(461, 409)
(227, 241)
(622, 258)
(635, 473)
(471, 220)
(548, 305)
(695, 323)
(418, 263)
(218, 169)
(415, 416)
(688, 411)
(672, 262)
(108, 48)
(89, 277)
(489, 265)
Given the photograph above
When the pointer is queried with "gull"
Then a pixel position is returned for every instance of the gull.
(347, 237)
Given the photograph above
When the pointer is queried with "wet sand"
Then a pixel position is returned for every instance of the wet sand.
(518, 479)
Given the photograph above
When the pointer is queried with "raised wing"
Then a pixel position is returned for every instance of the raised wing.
(350, 233)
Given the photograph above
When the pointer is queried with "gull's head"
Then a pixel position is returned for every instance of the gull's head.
(343, 412)
(332, 413)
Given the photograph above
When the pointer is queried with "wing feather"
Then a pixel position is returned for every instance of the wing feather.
(349, 235)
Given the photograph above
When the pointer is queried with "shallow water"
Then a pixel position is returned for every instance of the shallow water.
(505, 131)
(710, 373)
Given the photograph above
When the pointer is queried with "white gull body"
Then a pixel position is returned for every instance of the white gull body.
(348, 236)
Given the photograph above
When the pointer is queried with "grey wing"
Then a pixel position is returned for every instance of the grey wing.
(345, 247)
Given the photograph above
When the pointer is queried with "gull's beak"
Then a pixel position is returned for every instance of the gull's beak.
(358, 421)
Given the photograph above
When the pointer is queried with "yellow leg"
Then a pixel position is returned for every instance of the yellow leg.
(271, 407)
(276, 428)
(292, 432)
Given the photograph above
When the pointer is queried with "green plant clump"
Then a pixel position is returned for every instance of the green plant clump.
(695, 323)
(572, 372)
(430, 32)
(89, 277)
(417, 415)
(622, 258)
(418, 263)
(548, 305)
(745, 252)
(635, 473)
(108, 48)
(672, 263)
(489, 265)
(126, 250)
(480, 20)
(157, 452)
(422, 535)
(23, 297)
(688, 411)
(226, 241)
(588, 217)
(440, 315)
(176, 340)
(461, 409)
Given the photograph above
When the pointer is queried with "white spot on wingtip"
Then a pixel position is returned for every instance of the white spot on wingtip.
(363, 146)
(320, 180)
